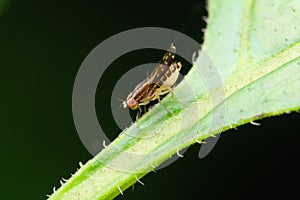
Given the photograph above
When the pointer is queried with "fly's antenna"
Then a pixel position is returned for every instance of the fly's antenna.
(123, 103)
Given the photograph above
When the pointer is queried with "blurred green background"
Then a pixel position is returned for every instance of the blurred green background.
(43, 43)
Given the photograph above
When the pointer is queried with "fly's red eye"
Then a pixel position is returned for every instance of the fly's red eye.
(132, 104)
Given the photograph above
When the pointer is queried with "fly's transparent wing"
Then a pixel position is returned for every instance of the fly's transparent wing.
(157, 74)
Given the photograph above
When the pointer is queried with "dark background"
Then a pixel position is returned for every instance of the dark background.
(42, 45)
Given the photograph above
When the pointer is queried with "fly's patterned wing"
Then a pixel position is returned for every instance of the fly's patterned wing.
(169, 56)
(163, 67)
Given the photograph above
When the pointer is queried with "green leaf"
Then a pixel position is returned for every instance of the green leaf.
(249, 68)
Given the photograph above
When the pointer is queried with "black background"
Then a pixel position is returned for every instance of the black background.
(42, 45)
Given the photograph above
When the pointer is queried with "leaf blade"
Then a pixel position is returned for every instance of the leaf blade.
(260, 76)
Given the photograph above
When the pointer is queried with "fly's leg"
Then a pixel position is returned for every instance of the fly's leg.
(158, 98)
(139, 113)
(140, 109)
(166, 91)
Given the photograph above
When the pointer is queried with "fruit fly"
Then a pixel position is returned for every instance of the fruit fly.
(160, 81)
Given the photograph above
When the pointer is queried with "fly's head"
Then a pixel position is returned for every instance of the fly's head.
(131, 102)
